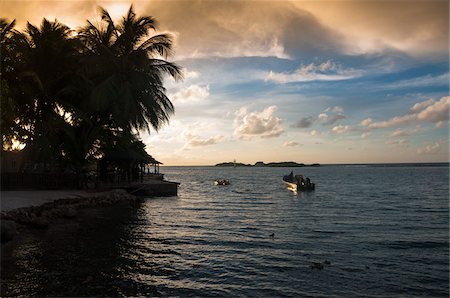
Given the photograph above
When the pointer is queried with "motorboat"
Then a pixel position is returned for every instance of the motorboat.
(298, 183)
(221, 182)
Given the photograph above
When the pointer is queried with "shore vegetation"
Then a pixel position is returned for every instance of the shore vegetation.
(71, 96)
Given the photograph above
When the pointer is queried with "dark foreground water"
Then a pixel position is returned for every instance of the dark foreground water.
(382, 229)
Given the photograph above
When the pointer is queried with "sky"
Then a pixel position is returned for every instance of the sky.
(361, 81)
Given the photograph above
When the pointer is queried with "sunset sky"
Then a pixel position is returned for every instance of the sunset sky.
(319, 81)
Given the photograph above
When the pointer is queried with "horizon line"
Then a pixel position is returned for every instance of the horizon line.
(334, 164)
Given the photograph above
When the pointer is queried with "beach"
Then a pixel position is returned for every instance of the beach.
(27, 198)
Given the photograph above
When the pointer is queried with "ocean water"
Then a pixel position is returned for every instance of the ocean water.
(380, 231)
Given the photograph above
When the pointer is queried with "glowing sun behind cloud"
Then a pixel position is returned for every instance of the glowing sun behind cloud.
(116, 9)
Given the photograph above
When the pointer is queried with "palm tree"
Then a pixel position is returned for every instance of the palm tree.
(8, 108)
(126, 68)
(45, 58)
(73, 98)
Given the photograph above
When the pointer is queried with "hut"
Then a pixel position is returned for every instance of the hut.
(126, 164)
(151, 169)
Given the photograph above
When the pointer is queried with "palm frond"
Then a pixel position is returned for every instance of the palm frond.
(163, 66)
(6, 28)
(160, 44)
(105, 15)
(105, 93)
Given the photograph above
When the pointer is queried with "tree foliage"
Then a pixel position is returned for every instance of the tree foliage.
(70, 96)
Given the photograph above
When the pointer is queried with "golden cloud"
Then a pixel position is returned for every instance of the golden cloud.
(270, 28)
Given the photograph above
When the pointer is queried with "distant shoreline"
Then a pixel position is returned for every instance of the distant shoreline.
(406, 164)
(284, 164)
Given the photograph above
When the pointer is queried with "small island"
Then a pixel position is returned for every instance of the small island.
(284, 164)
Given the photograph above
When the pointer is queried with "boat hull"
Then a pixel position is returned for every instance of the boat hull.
(290, 185)
(221, 182)
(295, 187)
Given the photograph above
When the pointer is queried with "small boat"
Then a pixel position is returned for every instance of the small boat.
(298, 183)
(221, 182)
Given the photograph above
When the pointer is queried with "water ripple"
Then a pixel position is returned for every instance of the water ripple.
(256, 238)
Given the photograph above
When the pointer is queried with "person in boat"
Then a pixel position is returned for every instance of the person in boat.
(301, 183)
(221, 182)
(308, 182)
(291, 176)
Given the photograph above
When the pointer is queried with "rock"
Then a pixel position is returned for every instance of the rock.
(68, 212)
(9, 230)
(50, 213)
(39, 222)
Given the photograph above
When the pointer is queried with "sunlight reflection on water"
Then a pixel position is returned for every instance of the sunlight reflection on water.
(380, 233)
(223, 234)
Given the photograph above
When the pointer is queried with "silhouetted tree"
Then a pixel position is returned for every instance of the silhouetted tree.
(126, 67)
(9, 108)
(73, 97)
(44, 59)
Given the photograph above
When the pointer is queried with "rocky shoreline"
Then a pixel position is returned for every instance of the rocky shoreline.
(18, 220)
(86, 232)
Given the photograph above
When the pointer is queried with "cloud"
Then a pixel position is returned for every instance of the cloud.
(324, 118)
(224, 29)
(340, 129)
(303, 35)
(421, 105)
(335, 109)
(326, 71)
(201, 28)
(197, 141)
(395, 121)
(426, 111)
(291, 144)
(330, 120)
(400, 142)
(441, 124)
(424, 81)
(367, 122)
(405, 133)
(430, 149)
(192, 93)
(70, 13)
(436, 112)
(419, 28)
(304, 122)
(262, 124)
(271, 28)
(190, 74)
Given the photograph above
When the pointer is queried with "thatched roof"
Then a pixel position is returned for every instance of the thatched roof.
(134, 152)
